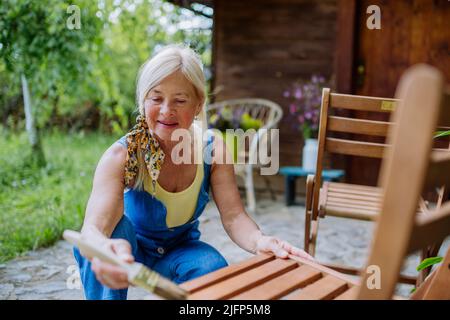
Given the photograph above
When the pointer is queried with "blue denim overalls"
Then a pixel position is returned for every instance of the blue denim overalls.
(176, 253)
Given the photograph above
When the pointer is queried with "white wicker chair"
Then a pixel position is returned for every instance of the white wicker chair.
(270, 114)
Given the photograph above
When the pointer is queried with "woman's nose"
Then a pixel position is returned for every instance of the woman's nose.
(165, 108)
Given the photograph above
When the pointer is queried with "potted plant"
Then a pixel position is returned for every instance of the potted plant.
(232, 118)
(304, 106)
(431, 261)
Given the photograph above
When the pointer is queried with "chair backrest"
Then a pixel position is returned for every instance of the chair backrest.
(410, 167)
(268, 112)
(356, 130)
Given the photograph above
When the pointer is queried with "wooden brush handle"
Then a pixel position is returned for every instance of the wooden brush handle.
(138, 274)
(91, 249)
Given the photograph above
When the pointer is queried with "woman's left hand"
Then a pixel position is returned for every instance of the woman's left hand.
(280, 248)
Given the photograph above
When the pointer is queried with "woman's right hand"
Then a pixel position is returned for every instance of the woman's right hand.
(108, 274)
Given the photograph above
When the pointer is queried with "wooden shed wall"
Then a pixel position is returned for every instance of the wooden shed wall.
(261, 47)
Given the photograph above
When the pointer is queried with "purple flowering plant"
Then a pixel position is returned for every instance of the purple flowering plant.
(305, 97)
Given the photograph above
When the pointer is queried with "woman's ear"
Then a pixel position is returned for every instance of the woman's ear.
(199, 108)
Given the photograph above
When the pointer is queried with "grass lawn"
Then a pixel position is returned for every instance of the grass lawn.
(37, 204)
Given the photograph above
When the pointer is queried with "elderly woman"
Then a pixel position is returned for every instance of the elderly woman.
(145, 206)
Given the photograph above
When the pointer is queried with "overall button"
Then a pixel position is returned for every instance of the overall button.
(160, 250)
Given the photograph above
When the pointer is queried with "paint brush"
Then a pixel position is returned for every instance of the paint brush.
(138, 274)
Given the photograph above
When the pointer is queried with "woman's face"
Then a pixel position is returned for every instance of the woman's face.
(171, 105)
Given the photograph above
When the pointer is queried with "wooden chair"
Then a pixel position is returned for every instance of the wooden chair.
(362, 202)
(270, 115)
(405, 173)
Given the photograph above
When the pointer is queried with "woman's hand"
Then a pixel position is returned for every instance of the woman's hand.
(108, 274)
(280, 248)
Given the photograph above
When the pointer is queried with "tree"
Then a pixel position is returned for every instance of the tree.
(85, 78)
(39, 47)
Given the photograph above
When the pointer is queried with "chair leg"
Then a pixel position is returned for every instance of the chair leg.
(308, 213)
(250, 191)
(313, 239)
(269, 187)
(311, 230)
(307, 230)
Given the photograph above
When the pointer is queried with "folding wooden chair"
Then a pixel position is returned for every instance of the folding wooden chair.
(406, 172)
(346, 200)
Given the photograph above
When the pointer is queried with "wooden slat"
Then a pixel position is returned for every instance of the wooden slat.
(349, 294)
(356, 190)
(403, 278)
(348, 210)
(324, 269)
(355, 148)
(375, 193)
(348, 186)
(340, 195)
(358, 126)
(360, 203)
(225, 273)
(364, 103)
(326, 288)
(368, 215)
(344, 197)
(244, 281)
(282, 285)
(431, 229)
(357, 193)
(372, 206)
(351, 207)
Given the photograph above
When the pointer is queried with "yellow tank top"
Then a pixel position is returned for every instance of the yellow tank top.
(180, 205)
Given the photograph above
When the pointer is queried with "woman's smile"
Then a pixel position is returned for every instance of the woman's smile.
(167, 124)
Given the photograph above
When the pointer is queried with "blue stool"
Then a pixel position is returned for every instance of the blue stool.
(292, 173)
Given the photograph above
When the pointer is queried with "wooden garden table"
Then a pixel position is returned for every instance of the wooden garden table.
(264, 277)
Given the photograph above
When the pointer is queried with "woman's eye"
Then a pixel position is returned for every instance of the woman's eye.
(181, 101)
(156, 99)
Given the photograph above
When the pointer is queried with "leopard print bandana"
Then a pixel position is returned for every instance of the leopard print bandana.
(140, 138)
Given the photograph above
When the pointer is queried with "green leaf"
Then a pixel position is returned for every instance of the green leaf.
(429, 262)
(413, 290)
(439, 134)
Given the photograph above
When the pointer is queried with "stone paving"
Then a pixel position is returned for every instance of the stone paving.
(49, 273)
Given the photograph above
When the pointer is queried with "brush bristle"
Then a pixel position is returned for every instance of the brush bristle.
(154, 282)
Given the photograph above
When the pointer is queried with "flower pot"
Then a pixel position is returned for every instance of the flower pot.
(309, 156)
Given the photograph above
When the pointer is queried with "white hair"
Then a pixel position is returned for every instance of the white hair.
(170, 59)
